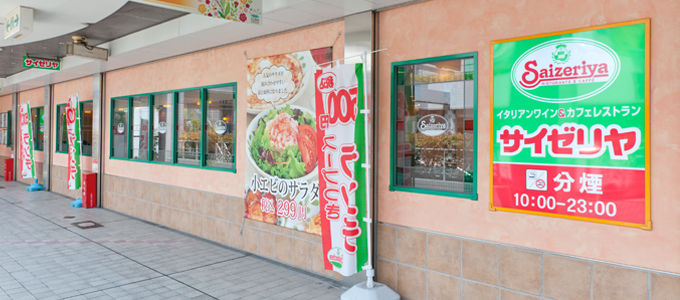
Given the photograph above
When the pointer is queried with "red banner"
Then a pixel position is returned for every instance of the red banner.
(579, 191)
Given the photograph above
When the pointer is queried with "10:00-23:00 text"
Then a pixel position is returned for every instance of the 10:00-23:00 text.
(573, 205)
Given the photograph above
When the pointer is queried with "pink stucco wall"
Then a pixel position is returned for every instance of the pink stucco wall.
(36, 97)
(61, 93)
(5, 105)
(422, 31)
(216, 66)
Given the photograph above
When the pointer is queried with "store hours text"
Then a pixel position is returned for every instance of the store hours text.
(577, 206)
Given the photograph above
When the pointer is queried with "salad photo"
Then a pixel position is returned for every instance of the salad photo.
(282, 142)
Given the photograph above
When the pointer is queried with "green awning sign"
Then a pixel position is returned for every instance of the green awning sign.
(39, 63)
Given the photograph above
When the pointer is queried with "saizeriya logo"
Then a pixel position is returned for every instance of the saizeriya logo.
(558, 71)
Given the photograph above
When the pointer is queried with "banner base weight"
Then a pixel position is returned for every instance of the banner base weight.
(361, 292)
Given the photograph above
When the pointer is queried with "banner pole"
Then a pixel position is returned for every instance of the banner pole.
(367, 168)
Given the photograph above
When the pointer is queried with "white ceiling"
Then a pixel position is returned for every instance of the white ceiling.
(186, 34)
(52, 18)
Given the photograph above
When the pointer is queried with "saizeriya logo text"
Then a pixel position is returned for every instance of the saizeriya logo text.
(565, 70)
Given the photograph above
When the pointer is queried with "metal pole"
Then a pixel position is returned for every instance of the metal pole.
(367, 168)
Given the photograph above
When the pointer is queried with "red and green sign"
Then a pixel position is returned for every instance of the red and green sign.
(341, 149)
(27, 158)
(74, 174)
(570, 124)
(39, 63)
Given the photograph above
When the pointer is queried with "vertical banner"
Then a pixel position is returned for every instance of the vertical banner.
(342, 179)
(27, 159)
(282, 186)
(570, 125)
(74, 143)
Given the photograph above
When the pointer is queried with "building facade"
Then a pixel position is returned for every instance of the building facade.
(435, 236)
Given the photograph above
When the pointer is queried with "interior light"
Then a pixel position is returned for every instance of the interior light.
(166, 105)
(209, 102)
(88, 112)
(198, 103)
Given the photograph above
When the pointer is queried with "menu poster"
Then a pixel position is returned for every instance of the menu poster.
(282, 186)
(570, 125)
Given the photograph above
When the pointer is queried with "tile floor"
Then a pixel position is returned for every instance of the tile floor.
(44, 256)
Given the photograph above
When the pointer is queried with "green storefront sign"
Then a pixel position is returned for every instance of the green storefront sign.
(39, 63)
(570, 124)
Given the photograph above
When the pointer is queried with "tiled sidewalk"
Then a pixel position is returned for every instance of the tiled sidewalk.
(44, 256)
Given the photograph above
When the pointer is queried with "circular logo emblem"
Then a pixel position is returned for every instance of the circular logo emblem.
(565, 70)
(120, 127)
(432, 125)
(162, 127)
(220, 127)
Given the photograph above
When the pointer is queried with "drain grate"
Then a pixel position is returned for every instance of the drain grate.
(69, 217)
(87, 225)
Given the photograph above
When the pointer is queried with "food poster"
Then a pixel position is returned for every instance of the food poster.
(570, 125)
(282, 186)
(341, 145)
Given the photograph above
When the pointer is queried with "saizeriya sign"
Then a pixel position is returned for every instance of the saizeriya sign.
(569, 62)
(570, 125)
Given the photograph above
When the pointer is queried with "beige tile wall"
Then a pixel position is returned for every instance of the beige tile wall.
(38, 174)
(215, 217)
(2, 166)
(428, 265)
(59, 183)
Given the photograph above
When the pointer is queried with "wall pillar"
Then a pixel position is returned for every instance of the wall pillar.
(97, 124)
(47, 148)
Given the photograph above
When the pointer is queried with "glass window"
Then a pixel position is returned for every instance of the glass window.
(86, 127)
(38, 122)
(140, 127)
(62, 137)
(162, 127)
(434, 124)
(189, 127)
(119, 137)
(221, 111)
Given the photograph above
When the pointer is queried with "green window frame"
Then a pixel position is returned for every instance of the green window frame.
(81, 109)
(393, 126)
(59, 126)
(36, 115)
(203, 157)
(126, 127)
(9, 128)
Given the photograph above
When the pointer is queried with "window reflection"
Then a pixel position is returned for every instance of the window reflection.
(220, 127)
(189, 127)
(434, 147)
(162, 127)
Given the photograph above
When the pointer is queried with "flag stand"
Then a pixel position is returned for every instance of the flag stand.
(368, 290)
